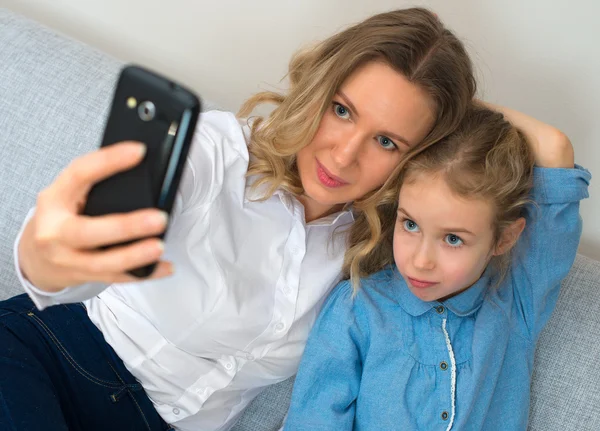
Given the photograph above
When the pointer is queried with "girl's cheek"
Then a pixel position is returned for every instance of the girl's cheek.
(466, 268)
(458, 268)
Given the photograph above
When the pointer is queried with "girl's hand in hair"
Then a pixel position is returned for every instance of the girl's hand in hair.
(552, 148)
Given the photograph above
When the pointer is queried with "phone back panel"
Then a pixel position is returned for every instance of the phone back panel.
(175, 109)
(167, 136)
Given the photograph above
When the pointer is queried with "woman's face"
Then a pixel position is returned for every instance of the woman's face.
(375, 117)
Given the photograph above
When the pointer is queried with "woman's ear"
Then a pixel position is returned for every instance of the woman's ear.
(509, 236)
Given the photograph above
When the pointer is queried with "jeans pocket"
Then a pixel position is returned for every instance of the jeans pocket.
(59, 346)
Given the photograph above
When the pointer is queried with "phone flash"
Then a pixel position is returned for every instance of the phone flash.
(131, 102)
(173, 128)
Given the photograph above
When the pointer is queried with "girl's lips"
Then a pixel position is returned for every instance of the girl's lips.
(420, 284)
(327, 179)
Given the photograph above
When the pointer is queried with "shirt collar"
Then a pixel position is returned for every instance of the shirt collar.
(462, 304)
(340, 217)
(409, 302)
(292, 204)
(469, 301)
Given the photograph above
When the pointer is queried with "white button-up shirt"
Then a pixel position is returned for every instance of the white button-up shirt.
(250, 278)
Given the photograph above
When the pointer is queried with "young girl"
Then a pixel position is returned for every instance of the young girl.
(445, 339)
(251, 239)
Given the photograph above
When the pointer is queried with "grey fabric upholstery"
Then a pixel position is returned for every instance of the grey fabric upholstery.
(54, 95)
(566, 385)
(266, 412)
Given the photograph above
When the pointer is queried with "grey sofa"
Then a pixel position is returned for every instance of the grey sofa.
(54, 95)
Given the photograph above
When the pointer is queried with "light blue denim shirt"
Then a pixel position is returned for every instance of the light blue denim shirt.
(388, 361)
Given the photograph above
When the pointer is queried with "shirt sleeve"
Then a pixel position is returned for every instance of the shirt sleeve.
(218, 141)
(548, 247)
(327, 383)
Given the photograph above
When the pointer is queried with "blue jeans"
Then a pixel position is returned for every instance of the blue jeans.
(58, 373)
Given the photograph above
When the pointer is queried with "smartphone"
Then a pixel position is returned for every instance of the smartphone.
(152, 109)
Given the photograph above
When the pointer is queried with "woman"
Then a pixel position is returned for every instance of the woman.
(251, 236)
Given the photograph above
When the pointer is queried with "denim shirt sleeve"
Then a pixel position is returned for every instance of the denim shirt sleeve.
(328, 380)
(547, 249)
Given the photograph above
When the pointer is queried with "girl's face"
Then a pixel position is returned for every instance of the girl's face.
(442, 242)
(375, 117)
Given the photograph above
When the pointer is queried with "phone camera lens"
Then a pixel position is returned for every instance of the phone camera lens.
(146, 111)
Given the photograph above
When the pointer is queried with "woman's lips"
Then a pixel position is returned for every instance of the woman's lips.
(421, 284)
(328, 179)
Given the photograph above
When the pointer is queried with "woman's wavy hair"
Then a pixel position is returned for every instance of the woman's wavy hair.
(413, 42)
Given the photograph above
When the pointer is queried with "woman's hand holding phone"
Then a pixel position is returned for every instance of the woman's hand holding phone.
(60, 247)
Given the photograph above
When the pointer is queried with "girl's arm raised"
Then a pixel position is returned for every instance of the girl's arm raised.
(545, 252)
(552, 148)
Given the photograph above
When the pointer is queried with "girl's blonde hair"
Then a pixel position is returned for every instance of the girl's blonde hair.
(413, 42)
(485, 158)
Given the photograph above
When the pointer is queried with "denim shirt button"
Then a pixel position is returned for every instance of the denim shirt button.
(440, 309)
(445, 415)
(443, 366)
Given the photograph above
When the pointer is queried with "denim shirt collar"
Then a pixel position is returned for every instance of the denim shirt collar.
(469, 301)
(463, 304)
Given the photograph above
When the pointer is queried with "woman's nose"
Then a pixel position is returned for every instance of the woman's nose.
(347, 152)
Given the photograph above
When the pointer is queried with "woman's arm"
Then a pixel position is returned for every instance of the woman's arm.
(58, 254)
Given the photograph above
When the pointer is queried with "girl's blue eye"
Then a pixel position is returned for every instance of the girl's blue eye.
(410, 226)
(453, 240)
(341, 111)
(386, 143)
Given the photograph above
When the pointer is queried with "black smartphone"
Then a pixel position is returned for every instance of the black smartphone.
(152, 109)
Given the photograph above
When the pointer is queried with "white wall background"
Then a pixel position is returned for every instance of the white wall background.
(538, 56)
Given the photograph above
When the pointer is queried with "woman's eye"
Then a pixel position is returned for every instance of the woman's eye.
(386, 143)
(341, 111)
(453, 240)
(410, 226)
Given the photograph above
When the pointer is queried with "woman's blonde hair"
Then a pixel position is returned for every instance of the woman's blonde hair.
(414, 43)
(485, 158)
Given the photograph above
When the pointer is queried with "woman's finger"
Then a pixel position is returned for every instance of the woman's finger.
(115, 260)
(85, 171)
(84, 232)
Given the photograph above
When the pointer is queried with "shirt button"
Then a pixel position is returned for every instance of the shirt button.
(280, 327)
(443, 366)
(176, 411)
(228, 365)
(440, 309)
(250, 357)
(445, 415)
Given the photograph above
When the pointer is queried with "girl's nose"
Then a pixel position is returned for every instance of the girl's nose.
(424, 258)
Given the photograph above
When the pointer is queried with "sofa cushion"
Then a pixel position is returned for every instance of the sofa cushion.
(565, 393)
(267, 411)
(54, 95)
